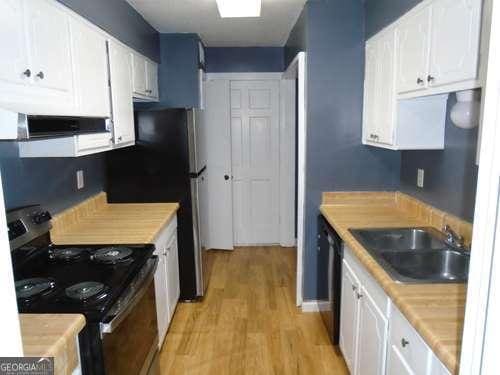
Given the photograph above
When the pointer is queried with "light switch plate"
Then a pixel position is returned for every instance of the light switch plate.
(420, 178)
(80, 183)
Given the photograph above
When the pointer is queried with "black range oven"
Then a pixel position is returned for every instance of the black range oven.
(111, 285)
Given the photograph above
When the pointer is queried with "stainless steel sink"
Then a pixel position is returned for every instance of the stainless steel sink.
(415, 255)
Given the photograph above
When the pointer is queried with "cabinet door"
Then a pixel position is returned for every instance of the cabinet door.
(49, 44)
(413, 51)
(14, 61)
(370, 94)
(372, 341)
(90, 70)
(152, 79)
(349, 316)
(396, 364)
(172, 275)
(121, 93)
(161, 293)
(385, 98)
(139, 77)
(455, 40)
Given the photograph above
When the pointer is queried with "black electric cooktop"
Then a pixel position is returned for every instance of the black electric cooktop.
(75, 279)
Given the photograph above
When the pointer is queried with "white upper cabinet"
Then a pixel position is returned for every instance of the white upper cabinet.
(14, 65)
(90, 69)
(145, 77)
(413, 51)
(438, 47)
(36, 71)
(121, 94)
(49, 45)
(455, 40)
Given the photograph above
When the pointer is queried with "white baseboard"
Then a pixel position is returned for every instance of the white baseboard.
(315, 306)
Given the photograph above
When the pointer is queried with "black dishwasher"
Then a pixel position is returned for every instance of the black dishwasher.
(330, 247)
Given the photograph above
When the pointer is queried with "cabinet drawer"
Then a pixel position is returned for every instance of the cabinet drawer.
(409, 344)
(92, 141)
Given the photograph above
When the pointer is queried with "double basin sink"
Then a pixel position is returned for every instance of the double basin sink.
(415, 255)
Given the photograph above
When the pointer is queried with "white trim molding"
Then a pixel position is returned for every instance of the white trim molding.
(249, 76)
(315, 306)
(297, 70)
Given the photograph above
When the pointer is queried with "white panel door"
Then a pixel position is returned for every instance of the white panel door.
(121, 93)
(14, 65)
(49, 41)
(255, 161)
(455, 37)
(349, 316)
(90, 70)
(413, 51)
(216, 118)
(385, 101)
(372, 340)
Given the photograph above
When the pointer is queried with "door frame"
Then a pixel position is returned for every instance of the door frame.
(297, 70)
(479, 354)
(286, 180)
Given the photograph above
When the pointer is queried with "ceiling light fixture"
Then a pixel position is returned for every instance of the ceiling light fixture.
(239, 8)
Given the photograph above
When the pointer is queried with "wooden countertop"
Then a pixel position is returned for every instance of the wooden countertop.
(435, 310)
(52, 335)
(97, 222)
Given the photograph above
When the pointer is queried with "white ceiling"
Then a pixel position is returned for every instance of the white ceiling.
(202, 17)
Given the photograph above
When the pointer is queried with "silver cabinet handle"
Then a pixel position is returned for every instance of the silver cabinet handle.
(40, 75)
(420, 81)
(27, 73)
(404, 342)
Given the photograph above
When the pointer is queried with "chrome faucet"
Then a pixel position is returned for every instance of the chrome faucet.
(452, 238)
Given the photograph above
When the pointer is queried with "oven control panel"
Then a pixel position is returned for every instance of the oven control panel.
(27, 223)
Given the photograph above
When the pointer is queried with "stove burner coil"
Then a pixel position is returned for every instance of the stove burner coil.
(112, 255)
(34, 287)
(86, 290)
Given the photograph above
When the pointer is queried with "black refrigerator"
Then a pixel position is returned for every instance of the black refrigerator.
(166, 164)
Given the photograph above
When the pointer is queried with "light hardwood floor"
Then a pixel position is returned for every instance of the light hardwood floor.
(248, 322)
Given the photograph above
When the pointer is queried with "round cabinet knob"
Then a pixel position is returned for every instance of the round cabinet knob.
(226, 177)
(420, 81)
(40, 75)
(27, 73)
(354, 288)
(430, 78)
(404, 342)
(359, 295)
(120, 138)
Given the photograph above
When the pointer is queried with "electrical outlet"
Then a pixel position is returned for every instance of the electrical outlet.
(80, 182)
(420, 178)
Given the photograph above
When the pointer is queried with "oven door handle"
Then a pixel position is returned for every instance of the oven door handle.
(122, 312)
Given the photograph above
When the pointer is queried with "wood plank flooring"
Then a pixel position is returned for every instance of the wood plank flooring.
(248, 322)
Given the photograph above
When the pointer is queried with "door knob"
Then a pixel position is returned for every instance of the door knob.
(226, 177)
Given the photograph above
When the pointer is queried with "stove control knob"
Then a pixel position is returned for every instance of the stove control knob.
(41, 217)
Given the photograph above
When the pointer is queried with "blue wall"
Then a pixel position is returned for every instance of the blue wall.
(333, 34)
(178, 72)
(244, 59)
(51, 181)
(450, 174)
(122, 21)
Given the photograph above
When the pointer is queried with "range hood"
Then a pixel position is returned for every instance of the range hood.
(24, 127)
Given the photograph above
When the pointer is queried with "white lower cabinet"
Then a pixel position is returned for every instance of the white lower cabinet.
(167, 287)
(364, 320)
(375, 338)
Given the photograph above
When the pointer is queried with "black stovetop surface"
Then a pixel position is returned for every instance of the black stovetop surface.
(34, 262)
